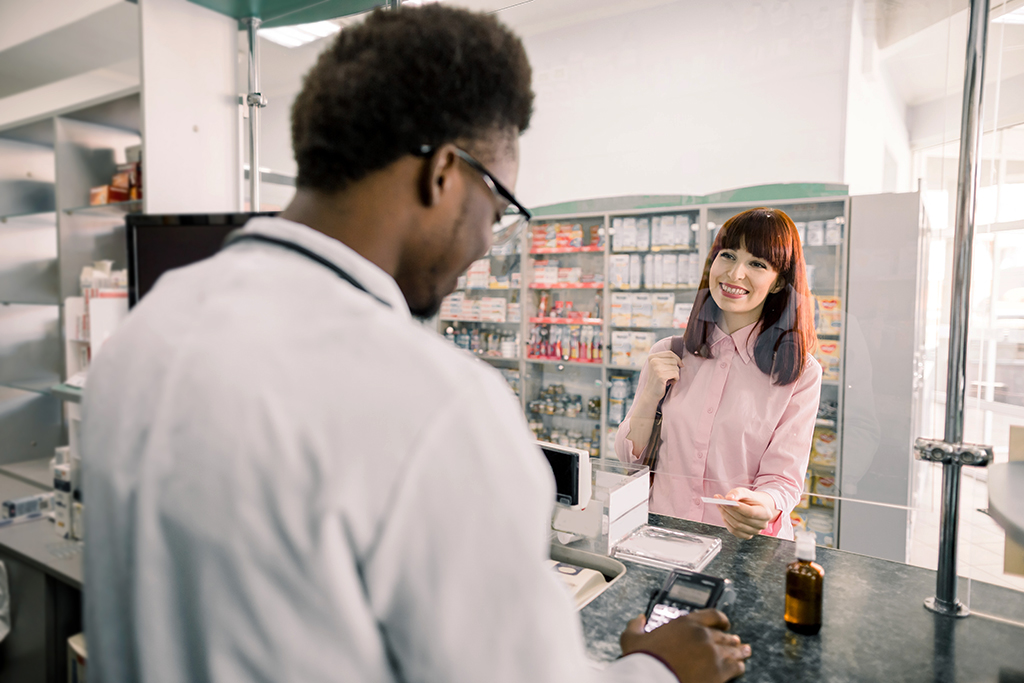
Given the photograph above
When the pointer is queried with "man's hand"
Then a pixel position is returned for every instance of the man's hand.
(754, 513)
(695, 647)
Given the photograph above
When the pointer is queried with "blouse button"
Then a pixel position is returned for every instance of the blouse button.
(709, 411)
(722, 365)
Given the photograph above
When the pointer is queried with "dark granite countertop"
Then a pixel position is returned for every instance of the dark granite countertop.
(875, 625)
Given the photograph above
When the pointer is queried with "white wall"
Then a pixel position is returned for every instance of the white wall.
(190, 108)
(877, 154)
(690, 97)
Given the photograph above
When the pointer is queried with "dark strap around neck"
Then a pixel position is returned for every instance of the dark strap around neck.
(235, 238)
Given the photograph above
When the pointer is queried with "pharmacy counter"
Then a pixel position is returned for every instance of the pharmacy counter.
(45, 579)
(875, 625)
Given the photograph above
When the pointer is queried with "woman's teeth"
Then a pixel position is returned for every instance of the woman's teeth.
(735, 291)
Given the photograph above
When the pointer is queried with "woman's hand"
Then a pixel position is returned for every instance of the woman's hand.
(662, 370)
(754, 513)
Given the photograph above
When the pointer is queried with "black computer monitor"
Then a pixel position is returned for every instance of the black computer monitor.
(158, 243)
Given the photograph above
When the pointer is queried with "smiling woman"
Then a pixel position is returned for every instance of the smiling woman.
(739, 406)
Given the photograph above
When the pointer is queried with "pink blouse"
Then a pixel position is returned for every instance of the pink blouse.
(726, 425)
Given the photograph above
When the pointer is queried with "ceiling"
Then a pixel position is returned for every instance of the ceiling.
(922, 41)
(928, 64)
(99, 40)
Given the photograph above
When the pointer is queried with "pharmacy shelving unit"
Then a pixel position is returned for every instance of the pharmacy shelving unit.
(581, 347)
(48, 232)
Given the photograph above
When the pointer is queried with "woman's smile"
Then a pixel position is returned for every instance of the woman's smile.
(733, 291)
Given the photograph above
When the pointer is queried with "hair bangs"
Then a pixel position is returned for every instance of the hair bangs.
(764, 233)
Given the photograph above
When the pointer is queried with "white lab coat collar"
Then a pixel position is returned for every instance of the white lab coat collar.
(365, 272)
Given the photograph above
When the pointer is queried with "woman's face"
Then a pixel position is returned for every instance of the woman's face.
(739, 283)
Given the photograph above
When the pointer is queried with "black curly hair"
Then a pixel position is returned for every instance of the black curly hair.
(402, 79)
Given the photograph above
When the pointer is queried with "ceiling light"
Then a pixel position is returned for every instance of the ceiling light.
(417, 3)
(1014, 17)
(300, 34)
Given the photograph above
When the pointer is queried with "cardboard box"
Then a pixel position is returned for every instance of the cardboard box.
(106, 194)
(662, 305)
(618, 270)
(622, 344)
(621, 311)
(828, 354)
(641, 310)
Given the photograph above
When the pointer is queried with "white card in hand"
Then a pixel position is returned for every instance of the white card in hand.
(720, 501)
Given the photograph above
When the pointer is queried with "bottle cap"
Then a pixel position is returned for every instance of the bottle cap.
(805, 545)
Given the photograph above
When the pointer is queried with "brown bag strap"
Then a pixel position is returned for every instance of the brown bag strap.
(649, 456)
(678, 348)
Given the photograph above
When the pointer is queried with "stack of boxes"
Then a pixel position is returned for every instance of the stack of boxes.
(126, 183)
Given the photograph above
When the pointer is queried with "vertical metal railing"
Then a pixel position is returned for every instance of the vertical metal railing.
(951, 451)
(256, 101)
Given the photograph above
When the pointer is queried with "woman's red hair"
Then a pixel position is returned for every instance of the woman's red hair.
(786, 327)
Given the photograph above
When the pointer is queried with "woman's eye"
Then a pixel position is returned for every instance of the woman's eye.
(758, 264)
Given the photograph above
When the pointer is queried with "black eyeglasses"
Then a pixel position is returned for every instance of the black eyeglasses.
(513, 217)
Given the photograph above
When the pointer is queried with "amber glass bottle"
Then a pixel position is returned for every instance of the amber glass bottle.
(805, 583)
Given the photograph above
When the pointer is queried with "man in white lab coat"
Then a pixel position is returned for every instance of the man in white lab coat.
(287, 478)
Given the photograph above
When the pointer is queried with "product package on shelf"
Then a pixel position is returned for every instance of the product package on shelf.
(621, 311)
(635, 271)
(816, 233)
(640, 310)
(547, 237)
(478, 275)
(618, 271)
(823, 450)
(828, 355)
(575, 343)
(451, 306)
(545, 273)
(493, 309)
(669, 270)
(624, 234)
(622, 345)
(124, 185)
(681, 315)
(662, 305)
(830, 315)
(833, 233)
(640, 347)
(643, 234)
(824, 485)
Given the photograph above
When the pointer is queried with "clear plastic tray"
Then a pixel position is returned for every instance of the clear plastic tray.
(668, 548)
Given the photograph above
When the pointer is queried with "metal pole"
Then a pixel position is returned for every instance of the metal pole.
(255, 101)
(945, 600)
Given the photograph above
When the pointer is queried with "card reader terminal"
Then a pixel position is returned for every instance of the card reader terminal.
(684, 592)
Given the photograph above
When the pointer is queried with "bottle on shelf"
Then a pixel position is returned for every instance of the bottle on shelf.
(805, 582)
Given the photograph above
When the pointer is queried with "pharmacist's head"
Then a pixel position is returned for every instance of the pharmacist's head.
(418, 110)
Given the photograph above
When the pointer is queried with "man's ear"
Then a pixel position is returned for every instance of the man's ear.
(436, 176)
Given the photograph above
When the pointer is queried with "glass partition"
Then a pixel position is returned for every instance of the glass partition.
(638, 103)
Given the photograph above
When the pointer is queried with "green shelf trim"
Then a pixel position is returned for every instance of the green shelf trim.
(776, 192)
(289, 12)
(754, 193)
(612, 204)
